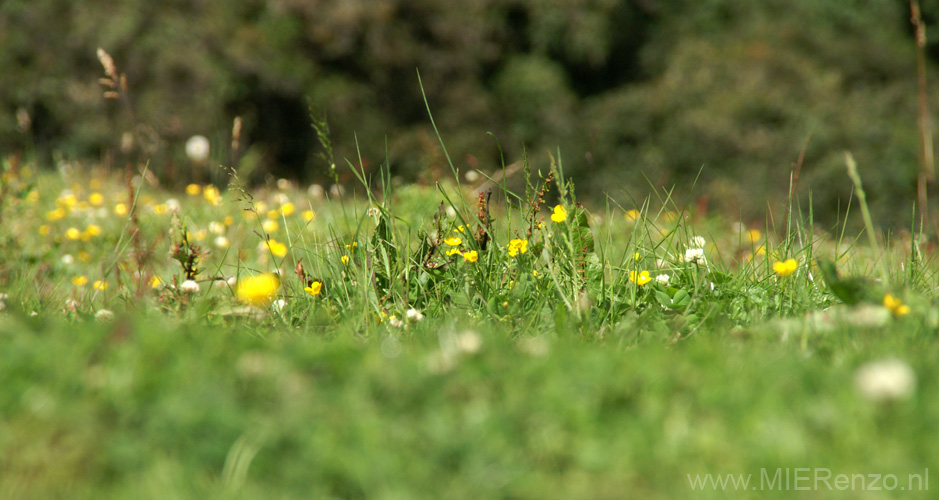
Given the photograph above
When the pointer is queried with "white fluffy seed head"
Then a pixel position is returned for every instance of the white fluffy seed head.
(189, 286)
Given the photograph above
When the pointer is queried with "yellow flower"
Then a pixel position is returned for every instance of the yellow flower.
(270, 225)
(228, 220)
(315, 288)
(84, 256)
(453, 241)
(454, 251)
(160, 209)
(67, 201)
(344, 259)
(96, 199)
(517, 246)
(786, 267)
(73, 233)
(100, 285)
(273, 214)
(211, 194)
(308, 215)
(57, 214)
(637, 257)
(351, 246)
(44, 229)
(471, 256)
(287, 209)
(120, 209)
(80, 280)
(459, 229)
(93, 230)
(277, 248)
(155, 281)
(896, 306)
(639, 278)
(193, 190)
(754, 235)
(560, 214)
(632, 215)
(258, 290)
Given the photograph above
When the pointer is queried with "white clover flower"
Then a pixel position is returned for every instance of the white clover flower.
(451, 213)
(172, 205)
(885, 380)
(232, 281)
(216, 227)
(695, 255)
(413, 315)
(221, 242)
(104, 316)
(197, 148)
(278, 305)
(471, 176)
(316, 191)
(67, 259)
(189, 286)
(662, 278)
(395, 322)
(469, 342)
(698, 242)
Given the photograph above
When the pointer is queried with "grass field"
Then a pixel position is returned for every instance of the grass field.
(426, 342)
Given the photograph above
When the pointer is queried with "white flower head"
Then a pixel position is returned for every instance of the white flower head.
(197, 148)
(189, 286)
(696, 256)
(222, 242)
(885, 380)
(216, 227)
(413, 315)
(67, 259)
(104, 316)
(316, 191)
(662, 278)
(698, 242)
(278, 305)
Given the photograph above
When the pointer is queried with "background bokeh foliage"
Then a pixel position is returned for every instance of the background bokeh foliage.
(719, 94)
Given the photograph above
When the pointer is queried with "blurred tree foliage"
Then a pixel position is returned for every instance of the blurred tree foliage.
(636, 93)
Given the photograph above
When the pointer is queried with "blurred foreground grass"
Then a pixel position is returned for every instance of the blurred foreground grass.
(146, 407)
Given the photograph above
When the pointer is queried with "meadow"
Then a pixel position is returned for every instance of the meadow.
(404, 341)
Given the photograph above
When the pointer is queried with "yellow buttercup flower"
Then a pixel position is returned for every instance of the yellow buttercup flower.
(639, 278)
(454, 251)
(344, 259)
(287, 209)
(308, 215)
(96, 199)
(277, 248)
(73, 233)
(453, 241)
(57, 214)
(632, 215)
(517, 246)
(785, 268)
(896, 306)
(193, 190)
(258, 290)
(80, 280)
(120, 209)
(211, 194)
(270, 225)
(471, 256)
(100, 285)
(560, 214)
(314, 289)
